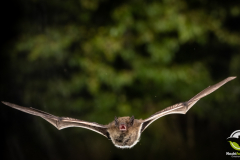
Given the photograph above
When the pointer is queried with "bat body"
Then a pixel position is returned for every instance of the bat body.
(124, 132)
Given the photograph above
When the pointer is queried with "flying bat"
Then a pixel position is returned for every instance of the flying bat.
(124, 132)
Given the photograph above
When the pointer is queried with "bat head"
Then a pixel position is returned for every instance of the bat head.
(125, 131)
(123, 123)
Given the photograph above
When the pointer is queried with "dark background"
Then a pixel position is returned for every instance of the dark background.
(96, 59)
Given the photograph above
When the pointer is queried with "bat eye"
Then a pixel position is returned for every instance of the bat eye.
(131, 120)
(116, 121)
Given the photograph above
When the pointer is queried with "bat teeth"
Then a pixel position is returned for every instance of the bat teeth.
(122, 127)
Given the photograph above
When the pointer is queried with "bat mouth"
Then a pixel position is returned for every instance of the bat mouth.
(122, 127)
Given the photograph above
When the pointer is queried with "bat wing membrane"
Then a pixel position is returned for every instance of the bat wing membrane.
(182, 108)
(62, 122)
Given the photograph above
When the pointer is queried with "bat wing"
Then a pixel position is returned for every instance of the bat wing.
(63, 122)
(182, 108)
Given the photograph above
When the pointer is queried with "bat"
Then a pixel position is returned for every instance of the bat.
(234, 139)
(124, 132)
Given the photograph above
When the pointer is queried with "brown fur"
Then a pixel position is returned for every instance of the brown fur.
(125, 139)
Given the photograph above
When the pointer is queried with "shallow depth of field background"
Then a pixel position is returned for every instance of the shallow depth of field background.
(96, 59)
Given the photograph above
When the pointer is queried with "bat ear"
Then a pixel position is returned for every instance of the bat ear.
(116, 121)
(132, 120)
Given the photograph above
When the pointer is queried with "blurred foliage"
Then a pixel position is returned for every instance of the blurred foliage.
(93, 60)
